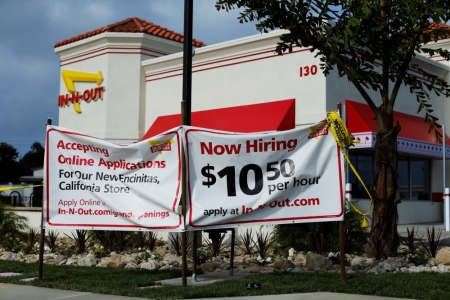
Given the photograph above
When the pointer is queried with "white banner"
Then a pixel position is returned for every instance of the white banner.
(94, 184)
(268, 178)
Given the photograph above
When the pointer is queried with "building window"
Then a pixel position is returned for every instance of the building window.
(413, 178)
(413, 182)
(363, 164)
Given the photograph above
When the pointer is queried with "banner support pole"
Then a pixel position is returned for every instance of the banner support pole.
(446, 209)
(186, 117)
(42, 235)
(445, 203)
(341, 229)
(183, 205)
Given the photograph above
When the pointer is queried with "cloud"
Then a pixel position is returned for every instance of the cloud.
(80, 15)
(209, 25)
(219, 26)
(24, 67)
(29, 68)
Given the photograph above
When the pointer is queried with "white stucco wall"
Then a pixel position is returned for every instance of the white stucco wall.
(240, 72)
(118, 116)
(412, 211)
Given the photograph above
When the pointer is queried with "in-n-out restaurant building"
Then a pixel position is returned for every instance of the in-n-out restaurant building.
(128, 85)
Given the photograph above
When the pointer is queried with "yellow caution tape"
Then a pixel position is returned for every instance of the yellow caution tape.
(345, 139)
(339, 130)
(10, 188)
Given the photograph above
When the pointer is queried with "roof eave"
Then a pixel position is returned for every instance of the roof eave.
(116, 35)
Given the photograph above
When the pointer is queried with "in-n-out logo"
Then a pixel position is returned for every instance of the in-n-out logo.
(75, 97)
(317, 131)
(160, 146)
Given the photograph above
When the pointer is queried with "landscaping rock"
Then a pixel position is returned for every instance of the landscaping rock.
(431, 262)
(298, 269)
(72, 261)
(388, 266)
(126, 259)
(8, 256)
(161, 252)
(300, 259)
(314, 261)
(87, 261)
(164, 259)
(283, 264)
(443, 268)
(292, 254)
(115, 264)
(443, 256)
(131, 266)
(59, 258)
(172, 259)
(208, 267)
(151, 265)
(358, 261)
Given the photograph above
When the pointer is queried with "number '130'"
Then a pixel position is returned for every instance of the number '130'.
(308, 70)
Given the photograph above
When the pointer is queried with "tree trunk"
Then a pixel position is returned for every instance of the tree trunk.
(384, 241)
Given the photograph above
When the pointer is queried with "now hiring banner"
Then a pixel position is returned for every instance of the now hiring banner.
(267, 178)
(94, 184)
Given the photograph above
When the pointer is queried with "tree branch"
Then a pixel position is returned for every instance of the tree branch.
(402, 73)
(360, 88)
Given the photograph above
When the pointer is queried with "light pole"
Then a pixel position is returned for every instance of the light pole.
(186, 118)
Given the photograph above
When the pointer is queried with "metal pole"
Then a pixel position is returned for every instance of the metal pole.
(341, 230)
(445, 204)
(186, 115)
(194, 251)
(344, 118)
(446, 214)
(42, 236)
(444, 152)
(183, 206)
(233, 236)
(187, 60)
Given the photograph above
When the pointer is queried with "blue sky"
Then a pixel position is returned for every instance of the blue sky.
(29, 67)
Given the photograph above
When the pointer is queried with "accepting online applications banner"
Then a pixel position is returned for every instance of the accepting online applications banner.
(94, 184)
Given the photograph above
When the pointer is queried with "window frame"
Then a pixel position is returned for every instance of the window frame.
(354, 153)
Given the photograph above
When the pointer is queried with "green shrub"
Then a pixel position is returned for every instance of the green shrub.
(417, 258)
(12, 227)
(80, 238)
(113, 240)
(203, 255)
(5, 200)
(321, 237)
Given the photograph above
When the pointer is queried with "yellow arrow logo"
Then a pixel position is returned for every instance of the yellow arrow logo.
(69, 77)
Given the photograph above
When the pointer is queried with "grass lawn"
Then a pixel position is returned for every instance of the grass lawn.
(135, 283)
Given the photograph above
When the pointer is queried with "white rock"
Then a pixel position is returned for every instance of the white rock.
(131, 266)
(87, 262)
(151, 264)
(292, 253)
(443, 268)
(358, 261)
(172, 258)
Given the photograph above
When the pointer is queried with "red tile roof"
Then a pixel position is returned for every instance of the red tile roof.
(133, 25)
(436, 26)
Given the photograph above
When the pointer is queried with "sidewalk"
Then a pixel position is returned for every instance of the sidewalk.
(24, 292)
(421, 231)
